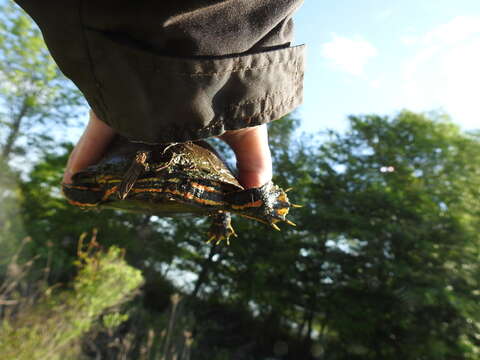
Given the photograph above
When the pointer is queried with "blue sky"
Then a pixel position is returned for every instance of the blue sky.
(374, 56)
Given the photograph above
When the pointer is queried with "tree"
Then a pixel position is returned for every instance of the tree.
(393, 247)
(36, 101)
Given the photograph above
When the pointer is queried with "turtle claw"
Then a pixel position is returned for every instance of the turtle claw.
(290, 223)
(273, 225)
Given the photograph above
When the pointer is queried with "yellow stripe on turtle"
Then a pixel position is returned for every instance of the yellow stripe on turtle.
(109, 192)
(204, 188)
(184, 195)
(80, 204)
(257, 203)
(86, 188)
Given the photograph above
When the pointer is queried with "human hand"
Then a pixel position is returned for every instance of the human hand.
(90, 148)
(250, 146)
(254, 161)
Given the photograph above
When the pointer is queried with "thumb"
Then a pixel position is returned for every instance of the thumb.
(90, 148)
(251, 149)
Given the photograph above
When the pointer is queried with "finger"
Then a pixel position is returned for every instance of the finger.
(251, 149)
(90, 148)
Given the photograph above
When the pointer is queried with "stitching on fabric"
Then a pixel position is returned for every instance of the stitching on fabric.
(296, 85)
(257, 100)
(279, 108)
(239, 69)
(276, 107)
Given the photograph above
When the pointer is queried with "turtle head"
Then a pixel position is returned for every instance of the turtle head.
(268, 204)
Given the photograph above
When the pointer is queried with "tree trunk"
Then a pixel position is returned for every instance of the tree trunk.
(301, 328)
(308, 336)
(203, 273)
(14, 131)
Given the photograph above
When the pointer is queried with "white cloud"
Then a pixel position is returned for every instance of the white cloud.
(444, 72)
(349, 54)
(455, 31)
(462, 81)
(458, 29)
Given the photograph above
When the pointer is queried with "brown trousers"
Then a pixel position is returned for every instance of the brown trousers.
(172, 71)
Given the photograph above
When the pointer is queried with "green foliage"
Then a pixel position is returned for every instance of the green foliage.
(49, 328)
(11, 221)
(112, 321)
(395, 244)
(384, 261)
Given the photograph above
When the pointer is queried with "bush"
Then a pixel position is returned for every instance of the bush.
(51, 328)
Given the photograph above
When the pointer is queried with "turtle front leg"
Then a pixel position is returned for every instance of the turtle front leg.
(138, 167)
(221, 228)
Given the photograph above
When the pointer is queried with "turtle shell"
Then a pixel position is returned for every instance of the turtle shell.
(174, 179)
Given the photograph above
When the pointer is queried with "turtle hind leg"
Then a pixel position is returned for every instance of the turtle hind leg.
(221, 228)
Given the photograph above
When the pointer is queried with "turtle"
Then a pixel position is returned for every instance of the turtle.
(174, 179)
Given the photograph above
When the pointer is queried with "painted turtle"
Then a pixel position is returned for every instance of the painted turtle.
(172, 179)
